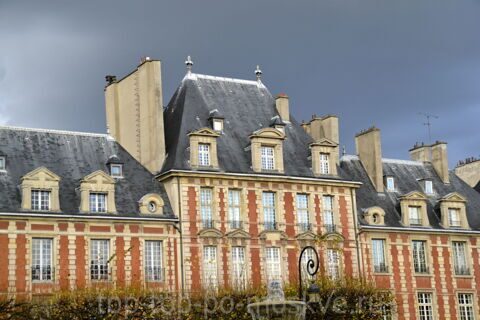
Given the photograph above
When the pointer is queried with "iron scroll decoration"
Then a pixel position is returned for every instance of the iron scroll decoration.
(312, 268)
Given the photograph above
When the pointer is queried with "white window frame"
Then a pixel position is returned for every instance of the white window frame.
(452, 214)
(303, 216)
(210, 267)
(328, 211)
(204, 154)
(42, 259)
(428, 187)
(3, 163)
(415, 215)
(99, 256)
(217, 125)
(98, 202)
(239, 268)
(206, 206)
(269, 202)
(234, 208)
(390, 182)
(268, 157)
(40, 199)
(120, 170)
(466, 306)
(154, 261)
(460, 260)
(324, 163)
(273, 264)
(333, 264)
(419, 253)
(425, 306)
(379, 257)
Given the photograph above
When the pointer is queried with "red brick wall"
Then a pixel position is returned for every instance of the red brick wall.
(4, 263)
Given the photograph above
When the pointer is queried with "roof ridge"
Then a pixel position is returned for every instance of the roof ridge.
(195, 76)
(75, 133)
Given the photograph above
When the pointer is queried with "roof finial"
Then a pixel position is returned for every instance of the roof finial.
(258, 73)
(344, 150)
(189, 64)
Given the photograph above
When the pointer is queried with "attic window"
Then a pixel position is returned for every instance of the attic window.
(428, 187)
(390, 183)
(116, 170)
(218, 124)
(3, 161)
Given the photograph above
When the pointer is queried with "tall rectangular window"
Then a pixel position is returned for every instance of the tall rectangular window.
(274, 271)
(153, 261)
(454, 217)
(333, 264)
(378, 251)
(98, 202)
(428, 187)
(269, 216)
(328, 217)
(203, 154)
(234, 209)
(460, 258)
(2, 163)
(414, 216)
(390, 183)
(302, 212)
(42, 259)
(41, 200)
(206, 210)
(324, 163)
(99, 256)
(465, 306)
(268, 158)
(419, 256)
(210, 267)
(425, 306)
(239, 268)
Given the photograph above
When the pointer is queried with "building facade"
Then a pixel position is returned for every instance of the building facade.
(224, 188)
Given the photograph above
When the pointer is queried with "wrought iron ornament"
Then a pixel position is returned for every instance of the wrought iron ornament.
(312, 268)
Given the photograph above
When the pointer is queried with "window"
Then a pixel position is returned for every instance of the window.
(460, 258)
(234, 209)
(428, 187)
(268, 158)
(268, 201)
(390, 182)
(210, 267)
(239, 268)
(308, 255)
(218, 125)
(153, 261)
(324, 163)
(454, 217)
(116, 170)
(206, 207)
(328, 214)
(465, 306)
(41, 200)
(273, 269)
(98, 202)
(203, 154)
(302, 212)
(419, 256)
(3, 162)
(333, 264)
(42, 259)
(414, 215)
(378, 251)
(425, 306)
(99, 256)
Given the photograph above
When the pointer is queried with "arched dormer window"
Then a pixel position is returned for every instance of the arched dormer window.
(97, 193)
(151, 203)
(375, 216)
(267, 150)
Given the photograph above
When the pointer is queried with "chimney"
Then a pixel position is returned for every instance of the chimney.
(369, 151)
(134, 109)
(440, 160)
(323, 127)
(469, 171)
(283, 108)
(421, 152)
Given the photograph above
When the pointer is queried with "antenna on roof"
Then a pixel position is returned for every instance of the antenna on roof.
(258, 73)
(428, 124)
(189, 64)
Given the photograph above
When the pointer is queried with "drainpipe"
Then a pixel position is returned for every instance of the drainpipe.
(181, 235)
(355, 221)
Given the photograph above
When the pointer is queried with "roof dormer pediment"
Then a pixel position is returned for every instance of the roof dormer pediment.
(414, 195)
(204, 132)
(98, 177)
(453, 197)
(271, 133)
(41, 174)
(324, 143)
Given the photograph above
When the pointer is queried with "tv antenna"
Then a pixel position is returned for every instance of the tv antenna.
(428, 124)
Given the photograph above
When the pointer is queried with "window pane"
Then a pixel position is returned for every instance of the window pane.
(268, 201)
(239, 268)
(40, 200)
(273, 269)
(428, 187)
(333, 264)
(378, 251)
(466, 309)
(210, 267)
(98, 202)
(460, 258)
(324, 163)
(99, 255)
(234, 208)
(419, 256)
(42, 259)
(454, 217)
(329, 221)
(414, 215)
(153, 261)
(302, 212)
(206, 209)
(2, 163)
(425, 306)
(268, 158)
(203, 154)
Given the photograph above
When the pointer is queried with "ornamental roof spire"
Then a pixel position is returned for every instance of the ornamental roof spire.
(258, 73)
(189, 64)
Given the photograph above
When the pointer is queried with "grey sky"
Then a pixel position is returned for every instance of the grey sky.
(370, 62)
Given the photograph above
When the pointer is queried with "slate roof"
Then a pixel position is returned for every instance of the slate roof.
(477, 187)
(247, 107)
(408, 176)
(72, 156)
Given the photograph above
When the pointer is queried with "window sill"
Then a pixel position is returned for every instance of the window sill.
(463, 276)
(422, 274)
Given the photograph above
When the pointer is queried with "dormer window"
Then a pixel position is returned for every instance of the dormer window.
(41, 200)
(324, 163)
(40, 189)
(268, 158)
(390, 183)
(375, 216)
(428, 186)
(97, 193)
(116, 170)
(414, 209)
(216, 120)
(414, 215)
(324, 155)
(3, 163)
(218, 125)
(453, 211)
(204, 154)
(454, 217)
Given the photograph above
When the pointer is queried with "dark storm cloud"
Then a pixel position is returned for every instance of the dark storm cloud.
(370, 62)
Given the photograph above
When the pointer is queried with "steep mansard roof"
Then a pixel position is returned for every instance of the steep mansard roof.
(408, 177)
(72, 156)
(247, 106)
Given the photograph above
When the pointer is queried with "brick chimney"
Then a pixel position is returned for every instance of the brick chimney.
(283, 107)
(469, 171)
(369, 151)
(421, 152)
(134, 108)
(436, 154)
(323, 127)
